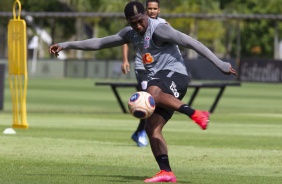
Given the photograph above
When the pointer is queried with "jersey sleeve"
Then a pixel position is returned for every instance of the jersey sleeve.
(166, 33)
(99, 43)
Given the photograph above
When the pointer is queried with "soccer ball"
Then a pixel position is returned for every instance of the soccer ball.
(141, 105)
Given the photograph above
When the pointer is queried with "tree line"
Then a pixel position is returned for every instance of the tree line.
(257, 36)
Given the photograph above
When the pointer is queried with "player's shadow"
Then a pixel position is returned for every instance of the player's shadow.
(127, 179)
(115, 178)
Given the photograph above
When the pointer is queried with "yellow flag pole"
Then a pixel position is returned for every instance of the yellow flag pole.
(17, 57)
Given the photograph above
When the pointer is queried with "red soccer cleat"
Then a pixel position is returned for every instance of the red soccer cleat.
(201, 118)
(162, 176)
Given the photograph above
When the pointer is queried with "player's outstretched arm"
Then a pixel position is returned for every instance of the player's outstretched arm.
(93, 43)
(165, 33)
(125, 67)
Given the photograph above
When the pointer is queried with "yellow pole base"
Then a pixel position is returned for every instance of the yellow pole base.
(20, 126)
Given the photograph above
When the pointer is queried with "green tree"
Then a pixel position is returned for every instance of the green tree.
(207, 31)
(257, 35)
(100, 26)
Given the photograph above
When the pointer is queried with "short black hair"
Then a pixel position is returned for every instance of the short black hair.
(133, 8)
(152, 1)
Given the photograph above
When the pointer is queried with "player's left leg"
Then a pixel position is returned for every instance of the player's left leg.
(154, 127)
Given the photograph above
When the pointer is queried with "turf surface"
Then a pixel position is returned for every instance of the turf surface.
(77, 134)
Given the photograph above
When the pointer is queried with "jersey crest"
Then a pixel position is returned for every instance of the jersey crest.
(147, 58)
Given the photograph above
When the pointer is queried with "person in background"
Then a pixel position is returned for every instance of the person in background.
(156, 42)
(153, 10)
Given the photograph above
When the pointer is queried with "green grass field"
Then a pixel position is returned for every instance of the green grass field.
(77, 134)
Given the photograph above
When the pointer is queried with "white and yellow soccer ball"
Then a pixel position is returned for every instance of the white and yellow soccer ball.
(141, 105)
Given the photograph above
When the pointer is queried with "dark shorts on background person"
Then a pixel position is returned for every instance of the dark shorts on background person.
(172, 83)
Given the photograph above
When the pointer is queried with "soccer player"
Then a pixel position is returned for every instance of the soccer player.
(153, 10)
(157, 43)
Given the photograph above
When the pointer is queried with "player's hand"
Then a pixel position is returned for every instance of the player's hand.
(125, 67)
(231, 71)
(55, 49)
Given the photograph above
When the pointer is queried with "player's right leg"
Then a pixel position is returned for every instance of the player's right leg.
(201, 118)
(173, 89)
